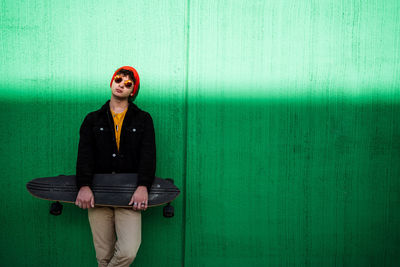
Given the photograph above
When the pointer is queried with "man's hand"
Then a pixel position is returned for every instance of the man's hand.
(139, 198)
(85, 198)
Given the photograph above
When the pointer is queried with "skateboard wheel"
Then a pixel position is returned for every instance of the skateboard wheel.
(168, 211)
(56, 208)
(170, 180)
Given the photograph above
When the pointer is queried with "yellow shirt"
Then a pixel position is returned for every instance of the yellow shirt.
(118, 120)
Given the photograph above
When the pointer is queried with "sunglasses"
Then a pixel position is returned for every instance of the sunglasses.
(127, 83)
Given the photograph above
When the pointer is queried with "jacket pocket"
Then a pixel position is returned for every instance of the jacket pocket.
(101, 130)
(102, 134)
(133, 135)
(134, 130)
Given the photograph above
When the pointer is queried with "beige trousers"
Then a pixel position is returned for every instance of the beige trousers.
(116, 235)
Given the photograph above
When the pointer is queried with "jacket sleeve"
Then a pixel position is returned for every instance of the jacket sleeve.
(147, 160)
(86, 158)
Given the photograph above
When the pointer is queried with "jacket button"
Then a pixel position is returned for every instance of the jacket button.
(114, 155)
(134, 130)
(101, 129)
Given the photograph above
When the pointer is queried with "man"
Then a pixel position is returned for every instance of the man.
(117, 138)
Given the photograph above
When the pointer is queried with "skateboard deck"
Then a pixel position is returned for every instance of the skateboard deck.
(108, 189)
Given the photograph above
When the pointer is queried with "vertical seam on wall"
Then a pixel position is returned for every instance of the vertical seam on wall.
(185, 133)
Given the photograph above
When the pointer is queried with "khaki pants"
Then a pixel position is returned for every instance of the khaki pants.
(116, 235)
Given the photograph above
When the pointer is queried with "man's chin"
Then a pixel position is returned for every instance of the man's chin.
(120, 98)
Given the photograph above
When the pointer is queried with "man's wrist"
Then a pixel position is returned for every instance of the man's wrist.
(142, 187)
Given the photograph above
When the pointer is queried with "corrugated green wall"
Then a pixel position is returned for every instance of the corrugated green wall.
(278, 120)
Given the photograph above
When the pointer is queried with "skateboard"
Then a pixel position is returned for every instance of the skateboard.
(114, 190)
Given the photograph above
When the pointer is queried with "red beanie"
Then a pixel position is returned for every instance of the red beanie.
(135, 75)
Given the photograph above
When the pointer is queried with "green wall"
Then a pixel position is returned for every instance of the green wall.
(277, 119)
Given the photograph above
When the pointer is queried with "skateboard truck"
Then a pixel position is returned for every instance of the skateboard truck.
(168, 210)
(56, 208)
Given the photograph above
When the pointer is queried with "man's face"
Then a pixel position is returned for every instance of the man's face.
(122, 86)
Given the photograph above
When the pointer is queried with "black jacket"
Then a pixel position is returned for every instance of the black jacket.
(98, 153)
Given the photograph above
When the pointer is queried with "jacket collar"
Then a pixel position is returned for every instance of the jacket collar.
(131, 107)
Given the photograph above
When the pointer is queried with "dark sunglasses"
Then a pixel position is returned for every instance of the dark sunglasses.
(127, 83)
